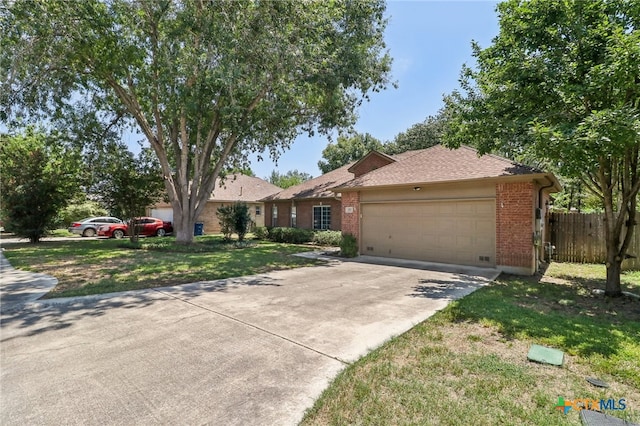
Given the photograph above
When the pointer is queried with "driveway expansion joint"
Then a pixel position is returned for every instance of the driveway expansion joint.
(213, 311)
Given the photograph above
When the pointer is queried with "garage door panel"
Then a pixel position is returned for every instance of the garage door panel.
(465, 258)
(464, 226)
(464, 242)
(485, 227)
(460, 232)
(465, 209)
(446, 209)
(485, 209)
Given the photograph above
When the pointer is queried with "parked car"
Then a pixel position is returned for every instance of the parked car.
(147, 226)
(89, 227)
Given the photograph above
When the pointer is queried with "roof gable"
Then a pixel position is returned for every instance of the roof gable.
(372, 161)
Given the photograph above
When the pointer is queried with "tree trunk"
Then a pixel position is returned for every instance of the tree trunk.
(614, 260)
(183, 227)
(613, 288)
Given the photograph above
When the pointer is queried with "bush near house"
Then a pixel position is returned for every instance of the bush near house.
(299, 236)
(349, 246)
(290, 235)
(327, 238)
(261, 233)
(236, 219)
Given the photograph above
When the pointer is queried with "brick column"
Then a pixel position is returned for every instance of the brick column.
(515, 227)
(351, 213)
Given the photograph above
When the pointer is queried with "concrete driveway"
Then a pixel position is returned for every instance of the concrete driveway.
(253, 350)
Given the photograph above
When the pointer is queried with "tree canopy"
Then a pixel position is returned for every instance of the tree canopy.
(206, 83)
(291, 178)
(419, 136)
(347, 149)
(561, 82)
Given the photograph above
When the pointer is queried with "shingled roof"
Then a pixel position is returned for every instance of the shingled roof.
(431, 165)
(240, 187)
(439, 164)
(319, 187)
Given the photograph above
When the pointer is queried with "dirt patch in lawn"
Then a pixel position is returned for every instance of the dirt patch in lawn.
(588, 299)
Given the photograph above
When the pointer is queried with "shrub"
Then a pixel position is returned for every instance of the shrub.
(234, 218)
(225, 218)
(290, 235)
(327, 238)
(261, 233)
(241, 220)
(349, 246)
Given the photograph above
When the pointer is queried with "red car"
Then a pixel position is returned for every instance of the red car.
(147, 226)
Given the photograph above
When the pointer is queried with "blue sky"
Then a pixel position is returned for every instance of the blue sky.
(429, 42)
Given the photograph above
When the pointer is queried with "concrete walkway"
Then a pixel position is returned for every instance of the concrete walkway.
(20, 287)
(245, 351)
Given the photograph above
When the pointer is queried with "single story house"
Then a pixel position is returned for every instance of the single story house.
(313, 204)
(435, 204)
(309, 205)
(234, 188)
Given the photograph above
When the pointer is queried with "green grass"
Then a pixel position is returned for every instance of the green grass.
(60, 233)
(85, 267)
(467, 364)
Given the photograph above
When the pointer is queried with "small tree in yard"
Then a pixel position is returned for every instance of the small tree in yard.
(38, 178)
(561, 83)
(234, 218)
(128, 185)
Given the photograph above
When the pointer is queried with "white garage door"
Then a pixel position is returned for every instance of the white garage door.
(459, 232)
(163, 213)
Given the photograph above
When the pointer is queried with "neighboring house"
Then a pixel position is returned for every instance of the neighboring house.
(233, 188)
(309, 205)
(313, 204)
(435, 204)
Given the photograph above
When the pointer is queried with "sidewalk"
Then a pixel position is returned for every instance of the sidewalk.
(20, 287)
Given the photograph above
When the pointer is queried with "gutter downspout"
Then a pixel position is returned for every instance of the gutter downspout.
(537, 236)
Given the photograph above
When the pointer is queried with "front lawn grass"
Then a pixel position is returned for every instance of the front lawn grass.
(468, 365)
(85, 267)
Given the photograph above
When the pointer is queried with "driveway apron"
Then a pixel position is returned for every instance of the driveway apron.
(247, 351)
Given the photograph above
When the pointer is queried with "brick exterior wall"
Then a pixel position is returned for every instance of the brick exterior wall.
(284, 213)
(515, 215)
(304, 213)
(351, 221)
(209, 216)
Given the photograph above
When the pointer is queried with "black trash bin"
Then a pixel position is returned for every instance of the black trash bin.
(198, 228)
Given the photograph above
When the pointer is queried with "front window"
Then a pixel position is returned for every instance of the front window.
(258, 210)
(274, 216)
(294, 216)
(321, 217)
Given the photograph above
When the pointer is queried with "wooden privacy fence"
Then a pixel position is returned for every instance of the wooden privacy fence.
(579, 238)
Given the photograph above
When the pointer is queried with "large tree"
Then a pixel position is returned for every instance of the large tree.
(347, 149)
(39, 175)
(419, 136)
(205, 82)
(561, 82)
